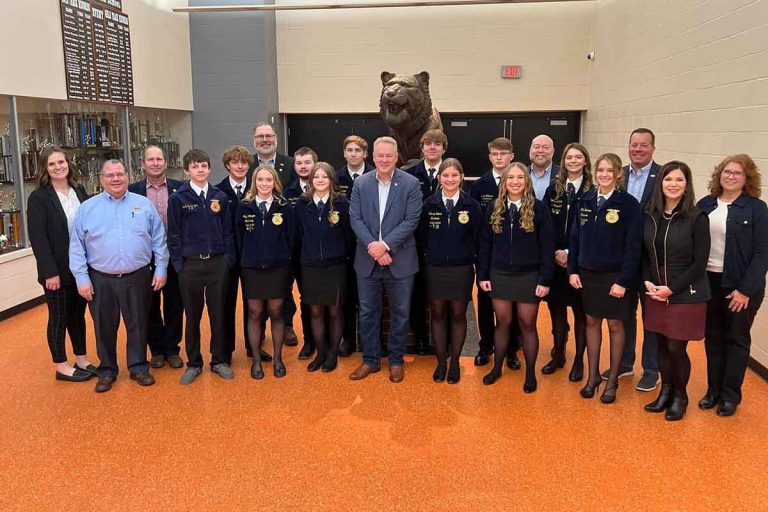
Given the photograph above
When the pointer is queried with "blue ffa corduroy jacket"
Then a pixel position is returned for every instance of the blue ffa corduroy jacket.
(325, 239)
(609, 240)
(449, 240)
(564, 214)
(265, 242)
(199, 227)
(516, 250)
(746, 243)
(484, 190)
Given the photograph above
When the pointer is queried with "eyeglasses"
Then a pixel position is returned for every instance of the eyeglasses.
(499, 154)
(110, 177)
(734, 174)
(264, 137)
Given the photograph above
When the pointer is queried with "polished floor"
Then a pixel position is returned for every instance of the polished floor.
(321, 442)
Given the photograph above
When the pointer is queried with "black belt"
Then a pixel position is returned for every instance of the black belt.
(124, 274)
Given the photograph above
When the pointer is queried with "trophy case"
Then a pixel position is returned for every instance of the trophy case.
(10, 210)
(170, 130)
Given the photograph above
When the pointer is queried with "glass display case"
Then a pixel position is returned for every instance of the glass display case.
(163, 128)
(11, 236)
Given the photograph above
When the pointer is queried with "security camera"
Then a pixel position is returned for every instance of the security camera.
(591, 56)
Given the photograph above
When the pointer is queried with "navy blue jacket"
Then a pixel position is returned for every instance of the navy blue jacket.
(746, 243)
(140, 187)
(516, 250)
(449, 241)
(345, 179)
(602, 246)
(649, 183)
(293, 192)
(323, 243)
(234, 203)
(484, 190)
(266, 242)
(197, 227)
(563, 212)
(419, 171)
(283, 167)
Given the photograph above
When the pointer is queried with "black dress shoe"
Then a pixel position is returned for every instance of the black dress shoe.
(256, 371)
(513, 363)
(577, 372)
(709, 401)
(143, 378)
(345, 349)
(316, 363)
(726, 408)
(265, 357)
(78, 376)
(175, 362)
(330, 364)
(307, 350)
(104, 384)
(662, 401)
(492, 377)
(609, 394)
(278, 369)
(90, 369)
(439, 373)
(420, 347)
(552, 366)
(676, 409)
(482, 359)
(530, 386)
(454, 374)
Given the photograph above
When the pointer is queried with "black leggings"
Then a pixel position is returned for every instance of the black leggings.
(440, 312)
(256, 310)
(595, 339)
(327, 346)
(674, 364)
(526, 319)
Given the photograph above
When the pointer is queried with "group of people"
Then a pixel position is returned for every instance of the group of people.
(591, 235)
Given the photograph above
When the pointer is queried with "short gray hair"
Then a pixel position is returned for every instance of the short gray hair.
(385, 140)
(111, 161)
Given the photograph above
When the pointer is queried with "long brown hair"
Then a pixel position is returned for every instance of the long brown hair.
(44, 179)
(527, 204)
(333, 190)
(562, 176)
(277, 187)
(751, 175)
(452, 162)
(687, 203)
(618, 170)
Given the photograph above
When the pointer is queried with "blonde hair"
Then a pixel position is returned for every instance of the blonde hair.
(277, 187)
(333, 190)
(527, 205)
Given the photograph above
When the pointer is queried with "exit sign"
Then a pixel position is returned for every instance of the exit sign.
(511, 71)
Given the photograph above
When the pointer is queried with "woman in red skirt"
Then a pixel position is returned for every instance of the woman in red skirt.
(676, 241)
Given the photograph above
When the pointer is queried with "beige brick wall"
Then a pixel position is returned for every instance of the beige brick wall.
(696, 73)
(330, 61)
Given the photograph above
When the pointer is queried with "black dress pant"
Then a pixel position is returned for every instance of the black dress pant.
(418, 313)
(486, 323)
(66, 313)
(351, 307)
(230, 313)
(166, 318)
(129, 295)
(727, 341)
(203, 282)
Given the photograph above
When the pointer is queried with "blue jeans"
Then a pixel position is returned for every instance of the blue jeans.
(370, 291)
(650, 358)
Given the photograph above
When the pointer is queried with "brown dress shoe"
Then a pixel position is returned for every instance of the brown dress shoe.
(396, 374)
(362, 372)
(157, 361)
(104, 384)
(143, 378)
(174, 361)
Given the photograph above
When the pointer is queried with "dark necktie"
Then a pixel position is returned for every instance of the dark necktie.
(449, 205)
(263, 209)
(239, 191)
(354, 176)
(431, 171)
(570, 191)
(600, 201)
(305, 188)
(497, 178)
(512, 212)
(320, 206)
(202, 196)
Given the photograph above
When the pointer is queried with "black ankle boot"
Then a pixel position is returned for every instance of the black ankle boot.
(662, 401)
(677, 408)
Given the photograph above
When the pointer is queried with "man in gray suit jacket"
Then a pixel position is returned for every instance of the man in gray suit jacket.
(384, 212)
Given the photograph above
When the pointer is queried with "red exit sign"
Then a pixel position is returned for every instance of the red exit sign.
(511, 71)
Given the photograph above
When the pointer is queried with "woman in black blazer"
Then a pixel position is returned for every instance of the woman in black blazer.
(51, 213)
(738, 261)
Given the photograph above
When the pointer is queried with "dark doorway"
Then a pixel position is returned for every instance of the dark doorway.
(468, 134)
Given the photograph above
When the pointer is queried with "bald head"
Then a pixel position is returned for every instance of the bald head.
(542, 151)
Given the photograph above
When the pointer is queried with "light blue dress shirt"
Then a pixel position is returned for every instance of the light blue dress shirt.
(636, 181)
(540, 184)
(116, 236)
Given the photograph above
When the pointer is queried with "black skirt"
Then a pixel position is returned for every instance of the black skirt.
(514, 286)
(450, 283)
(595, 295)
(322, 286)
(561, 292)
(268, 283)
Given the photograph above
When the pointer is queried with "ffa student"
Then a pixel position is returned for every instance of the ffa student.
(516, 264)
(676, 243)
(264, 231)
(449, 236)
(603, 260)
(202, 251)
(738, 261)
(574, 178)
(326, 239)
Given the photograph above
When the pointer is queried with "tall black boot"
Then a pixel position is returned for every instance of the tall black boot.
(677, 408)
(662, 401)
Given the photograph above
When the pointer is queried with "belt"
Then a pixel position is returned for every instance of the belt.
(205, 256)
(123, 274)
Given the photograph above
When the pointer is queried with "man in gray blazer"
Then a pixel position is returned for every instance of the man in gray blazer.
(384, 212)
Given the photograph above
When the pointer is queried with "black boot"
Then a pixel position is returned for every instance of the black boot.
(662, 401)
(677, 408)
(557, 362)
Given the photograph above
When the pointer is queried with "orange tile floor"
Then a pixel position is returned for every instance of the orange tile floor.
(322, 442)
